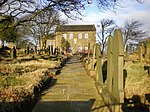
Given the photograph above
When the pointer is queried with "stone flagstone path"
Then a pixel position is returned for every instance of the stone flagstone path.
(74, 91)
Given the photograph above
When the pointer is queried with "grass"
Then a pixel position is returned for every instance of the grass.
(20, 77)
(11, 73)
(11, 81)
(137, 81)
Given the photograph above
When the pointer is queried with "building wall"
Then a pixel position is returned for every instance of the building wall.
(77, 42)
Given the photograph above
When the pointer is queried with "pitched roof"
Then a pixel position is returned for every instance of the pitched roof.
(63, 28)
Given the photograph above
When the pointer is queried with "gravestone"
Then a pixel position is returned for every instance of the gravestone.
(94, 58)
(13, 53)
(35, 49)
(55, 51)
(141, 52)
(113, 90)
(117, 65)
(49, 50)
(109, 64)
(113, 93)
(89, 50)
(147, 51)
(52, 50)
(98, 69)
(127, 51)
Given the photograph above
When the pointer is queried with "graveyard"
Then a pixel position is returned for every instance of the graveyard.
(132, 87)
(25, 76)
(22, 77)
(74, 56)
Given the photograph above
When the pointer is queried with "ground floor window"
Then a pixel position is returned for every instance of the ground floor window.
(70, 49)
(80, 49)
(86, 50)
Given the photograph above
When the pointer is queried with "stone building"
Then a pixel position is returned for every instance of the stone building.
(81, 37)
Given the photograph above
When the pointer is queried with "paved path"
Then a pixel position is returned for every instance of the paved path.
(74, 91)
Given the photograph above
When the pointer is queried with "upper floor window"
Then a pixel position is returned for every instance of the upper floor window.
(79, 36)
(70, 36)
(65, 36)
(86, 36)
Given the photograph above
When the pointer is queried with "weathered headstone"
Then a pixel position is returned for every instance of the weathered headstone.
(58, 51)
(127, 51)
(55, 51)
(93, 59)
(13, 53)
(35, 49)
(147, 51)
(98, 69)
(28, 50)
(109, 64)
(49, 50)
(141, 52)
(89, 50)
(118, 60)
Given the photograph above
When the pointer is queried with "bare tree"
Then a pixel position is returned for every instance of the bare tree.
(104, 29)
(111, 4)
(9, 33)
(132, 31)
(46, 22)
(42, 26)
(19, 8)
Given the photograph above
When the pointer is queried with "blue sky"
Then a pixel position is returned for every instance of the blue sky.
(130, 9)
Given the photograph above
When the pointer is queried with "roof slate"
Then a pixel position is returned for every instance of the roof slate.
(64, 28)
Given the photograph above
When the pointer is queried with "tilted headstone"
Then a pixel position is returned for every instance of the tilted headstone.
(113, 91)
(117, 65)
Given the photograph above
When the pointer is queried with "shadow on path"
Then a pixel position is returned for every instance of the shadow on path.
(65, 106)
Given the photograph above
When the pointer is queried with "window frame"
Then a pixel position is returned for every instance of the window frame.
(80, 36)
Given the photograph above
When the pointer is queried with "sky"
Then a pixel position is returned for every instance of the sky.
(130, 9)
